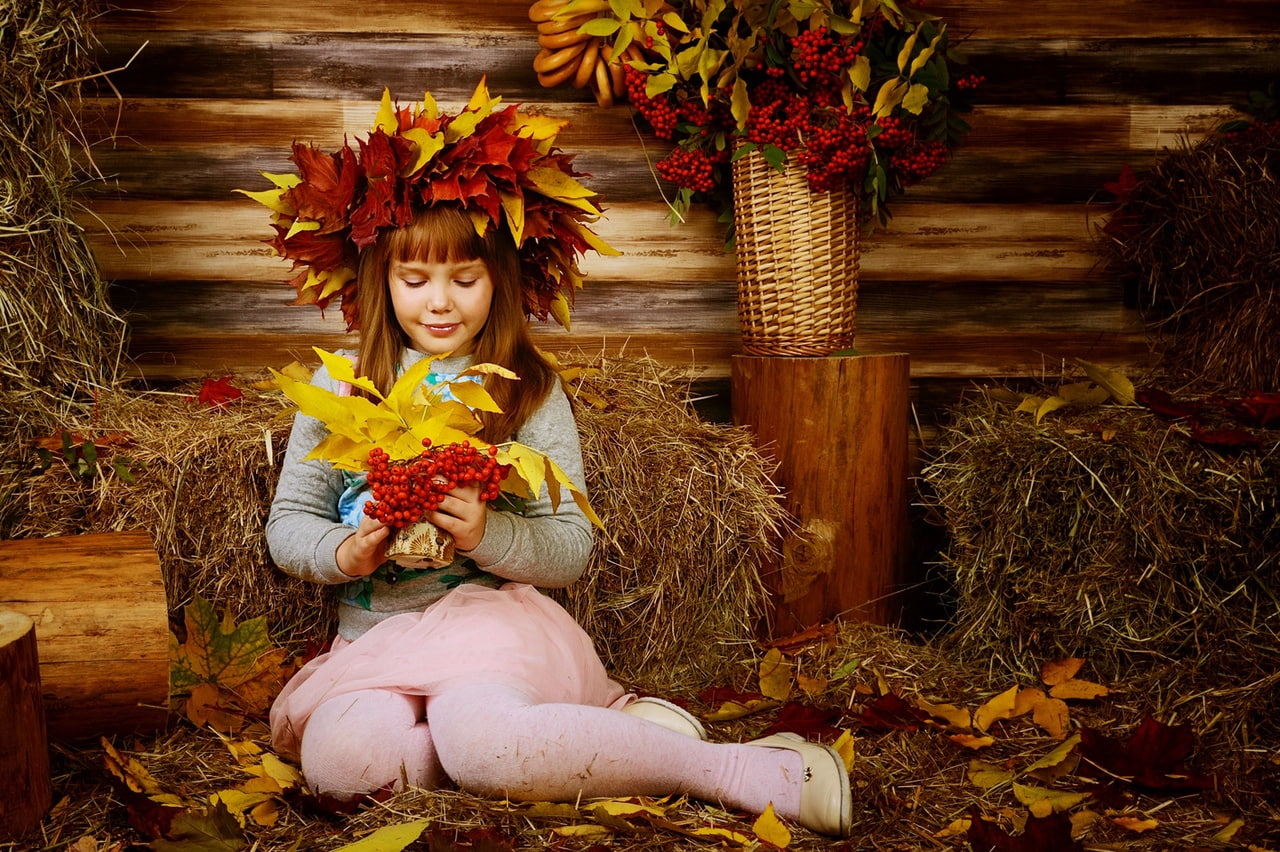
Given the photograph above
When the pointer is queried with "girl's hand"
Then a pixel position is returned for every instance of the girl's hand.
(462, 514)
(363, 551)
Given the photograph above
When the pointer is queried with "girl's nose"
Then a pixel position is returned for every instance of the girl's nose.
(437, 296)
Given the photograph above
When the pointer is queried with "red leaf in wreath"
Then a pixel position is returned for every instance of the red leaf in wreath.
(1045, 834)
(1154, 756)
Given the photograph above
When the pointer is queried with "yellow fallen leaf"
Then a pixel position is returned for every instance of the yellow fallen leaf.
(1228, 831)
(1000, 707)
(776, 675)
(625, 807)
(261, 784)
(582, 830)
(389, 838)
(1052, 716)
(737, 709)
(811, 686)
(1135, 824)
(1060, 753)
(987, 775)
(1040, 798)
(243, 751)
(734, 836)
(1059, 671)
(1081, 822)
(956, 717)
(770, 829)
(957, 828)
(1027, 700)
(1081, 689)
(971, 741)
(266, 813)
(844, 746)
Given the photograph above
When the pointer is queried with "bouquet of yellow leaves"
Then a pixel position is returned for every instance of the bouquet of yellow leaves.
(418, 442)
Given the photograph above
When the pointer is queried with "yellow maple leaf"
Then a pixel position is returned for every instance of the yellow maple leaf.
(770, 829)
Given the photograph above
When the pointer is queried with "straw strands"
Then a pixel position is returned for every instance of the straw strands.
(1105, 533)
(59, 335)
(1200, 236)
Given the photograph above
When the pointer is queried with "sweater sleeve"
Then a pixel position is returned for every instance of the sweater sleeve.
(303, 530)
(542, 547)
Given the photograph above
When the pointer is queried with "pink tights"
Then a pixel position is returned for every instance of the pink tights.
(494, 740)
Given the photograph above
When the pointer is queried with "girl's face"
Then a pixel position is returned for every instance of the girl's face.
(441, 306)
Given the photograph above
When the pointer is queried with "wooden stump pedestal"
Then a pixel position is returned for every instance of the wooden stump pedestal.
(837, 427)
(25, 789)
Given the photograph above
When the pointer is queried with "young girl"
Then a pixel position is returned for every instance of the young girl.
(468, 673)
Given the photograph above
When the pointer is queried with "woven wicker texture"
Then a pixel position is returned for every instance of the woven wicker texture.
(797, 261)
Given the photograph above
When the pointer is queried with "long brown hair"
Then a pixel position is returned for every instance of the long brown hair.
(444, 233)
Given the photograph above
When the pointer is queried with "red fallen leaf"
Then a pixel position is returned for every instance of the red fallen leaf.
(1164, 405)
(891, 713)
(219, 393)
(1043, 834)
(813, 723)
(469, 840)
(1153, 757)
(1124, 185)
(717, 695)
(1256, 409)
(1226, 439)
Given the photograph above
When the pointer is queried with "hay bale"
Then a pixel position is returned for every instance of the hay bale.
(203, 480)
(1199, 238)
(672, 593)
(61, 336)
(1105, 533)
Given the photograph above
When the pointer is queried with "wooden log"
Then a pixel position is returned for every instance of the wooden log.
(25, 788)
(837, 427)
(101, 619)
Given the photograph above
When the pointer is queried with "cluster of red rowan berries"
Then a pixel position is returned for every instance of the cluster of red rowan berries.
(406, 489)
(916, 162)
(821, 56)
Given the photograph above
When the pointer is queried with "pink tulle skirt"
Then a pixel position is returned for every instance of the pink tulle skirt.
(513, 635)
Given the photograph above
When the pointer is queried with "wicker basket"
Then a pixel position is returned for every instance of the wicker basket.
(797, 261)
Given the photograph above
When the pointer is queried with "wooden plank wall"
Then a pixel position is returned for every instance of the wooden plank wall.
(988, 268)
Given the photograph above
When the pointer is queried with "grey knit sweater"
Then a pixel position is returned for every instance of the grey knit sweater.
(540, 547)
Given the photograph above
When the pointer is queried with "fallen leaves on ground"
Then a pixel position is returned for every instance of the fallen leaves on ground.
(224, 671)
